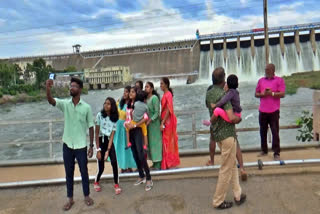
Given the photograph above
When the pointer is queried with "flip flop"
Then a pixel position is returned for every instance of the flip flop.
(68, 205)
(88, 201)
(209, 163)
(243, 198)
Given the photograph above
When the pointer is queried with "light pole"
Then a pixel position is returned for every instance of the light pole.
(266, 35)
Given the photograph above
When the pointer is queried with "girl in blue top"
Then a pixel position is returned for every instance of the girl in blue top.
(106, 122)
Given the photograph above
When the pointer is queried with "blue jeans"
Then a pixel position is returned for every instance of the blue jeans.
(69, 156)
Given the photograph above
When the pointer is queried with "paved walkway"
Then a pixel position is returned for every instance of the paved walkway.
(27, 173)
(276, 189)
(276, 194)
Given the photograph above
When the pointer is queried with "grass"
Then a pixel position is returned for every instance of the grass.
(302, 80)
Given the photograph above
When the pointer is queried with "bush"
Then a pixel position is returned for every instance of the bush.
(1, 94)
(5, 91)
(33, 93)
(306, 127)
(12, 92)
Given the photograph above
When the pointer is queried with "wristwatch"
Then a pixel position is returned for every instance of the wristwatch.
(98, 150)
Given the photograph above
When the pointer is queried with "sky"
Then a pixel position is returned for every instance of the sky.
(42, 27)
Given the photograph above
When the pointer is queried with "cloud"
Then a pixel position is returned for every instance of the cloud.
(243, 2)
(2, 22)
(155, 22)
(291, 7)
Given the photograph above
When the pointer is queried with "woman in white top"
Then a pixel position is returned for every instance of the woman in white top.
(106, 122)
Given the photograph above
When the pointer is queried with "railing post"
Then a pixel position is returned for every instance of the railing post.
(194, 131)
(50, 139)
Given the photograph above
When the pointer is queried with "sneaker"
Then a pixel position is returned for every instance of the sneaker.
(149, 186)
(140, 181)
(117, 189)
(97, 187)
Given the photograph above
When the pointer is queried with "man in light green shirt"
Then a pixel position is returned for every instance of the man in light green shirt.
(77, 119)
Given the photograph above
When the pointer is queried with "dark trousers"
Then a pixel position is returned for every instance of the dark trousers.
(69, 156)
(138, 152)
(112, 154)
(272, 120)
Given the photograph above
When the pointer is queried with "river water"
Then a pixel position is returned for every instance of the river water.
(186, 98)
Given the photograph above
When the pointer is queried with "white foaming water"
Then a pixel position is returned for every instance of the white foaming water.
(250, 68)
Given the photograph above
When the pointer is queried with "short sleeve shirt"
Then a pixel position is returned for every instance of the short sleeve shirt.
(77, 120)
(139, 109)
(220, 128)
(270, 104)
(106, 125)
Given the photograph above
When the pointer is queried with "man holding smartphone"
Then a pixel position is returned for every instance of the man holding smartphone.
(270, 89)
(77, 119)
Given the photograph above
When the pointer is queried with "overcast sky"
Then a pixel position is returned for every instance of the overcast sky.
(35, 27)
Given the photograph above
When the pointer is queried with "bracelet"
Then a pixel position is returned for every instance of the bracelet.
(135, 126)
(91, 145)
(273, 94)
(98, 150)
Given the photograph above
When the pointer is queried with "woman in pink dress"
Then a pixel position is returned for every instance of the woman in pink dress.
(170, 149)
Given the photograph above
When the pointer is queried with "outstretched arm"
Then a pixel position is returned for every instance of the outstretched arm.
(50, 99)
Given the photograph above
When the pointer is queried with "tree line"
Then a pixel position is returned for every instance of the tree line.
(13, 80)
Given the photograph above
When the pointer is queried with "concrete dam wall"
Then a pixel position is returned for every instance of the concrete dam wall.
(157, 59)
(293, 48)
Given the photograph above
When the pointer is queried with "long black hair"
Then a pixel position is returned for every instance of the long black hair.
(154, 92)
(167, 82)
(114, 115)
(123, 101)
(140, 83)
(130, 103)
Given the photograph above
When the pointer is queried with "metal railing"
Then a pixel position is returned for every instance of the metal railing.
(193, 133)
(272, 30)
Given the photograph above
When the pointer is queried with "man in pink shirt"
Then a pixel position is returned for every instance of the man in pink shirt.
(270, 89)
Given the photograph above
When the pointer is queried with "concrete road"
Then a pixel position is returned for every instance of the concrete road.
(276, 194)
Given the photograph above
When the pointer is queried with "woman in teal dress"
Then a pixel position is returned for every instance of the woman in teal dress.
(124, 156)
(154, 133)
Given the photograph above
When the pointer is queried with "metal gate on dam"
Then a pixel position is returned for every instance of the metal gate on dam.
(293, 49)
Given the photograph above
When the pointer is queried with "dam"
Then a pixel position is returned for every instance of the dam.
(293, 48)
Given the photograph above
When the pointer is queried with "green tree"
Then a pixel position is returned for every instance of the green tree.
(70, 69)
(28, 73)
(6, 75)
(42, 71)
(17, 73)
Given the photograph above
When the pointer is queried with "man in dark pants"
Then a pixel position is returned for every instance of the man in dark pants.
(77, 119)
(270, 89)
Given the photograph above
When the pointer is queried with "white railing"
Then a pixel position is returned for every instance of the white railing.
(50, 141)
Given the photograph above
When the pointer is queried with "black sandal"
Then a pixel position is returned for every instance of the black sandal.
(225, 205)
(243, 198)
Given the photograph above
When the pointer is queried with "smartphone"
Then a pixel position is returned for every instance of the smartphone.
(51, 76)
